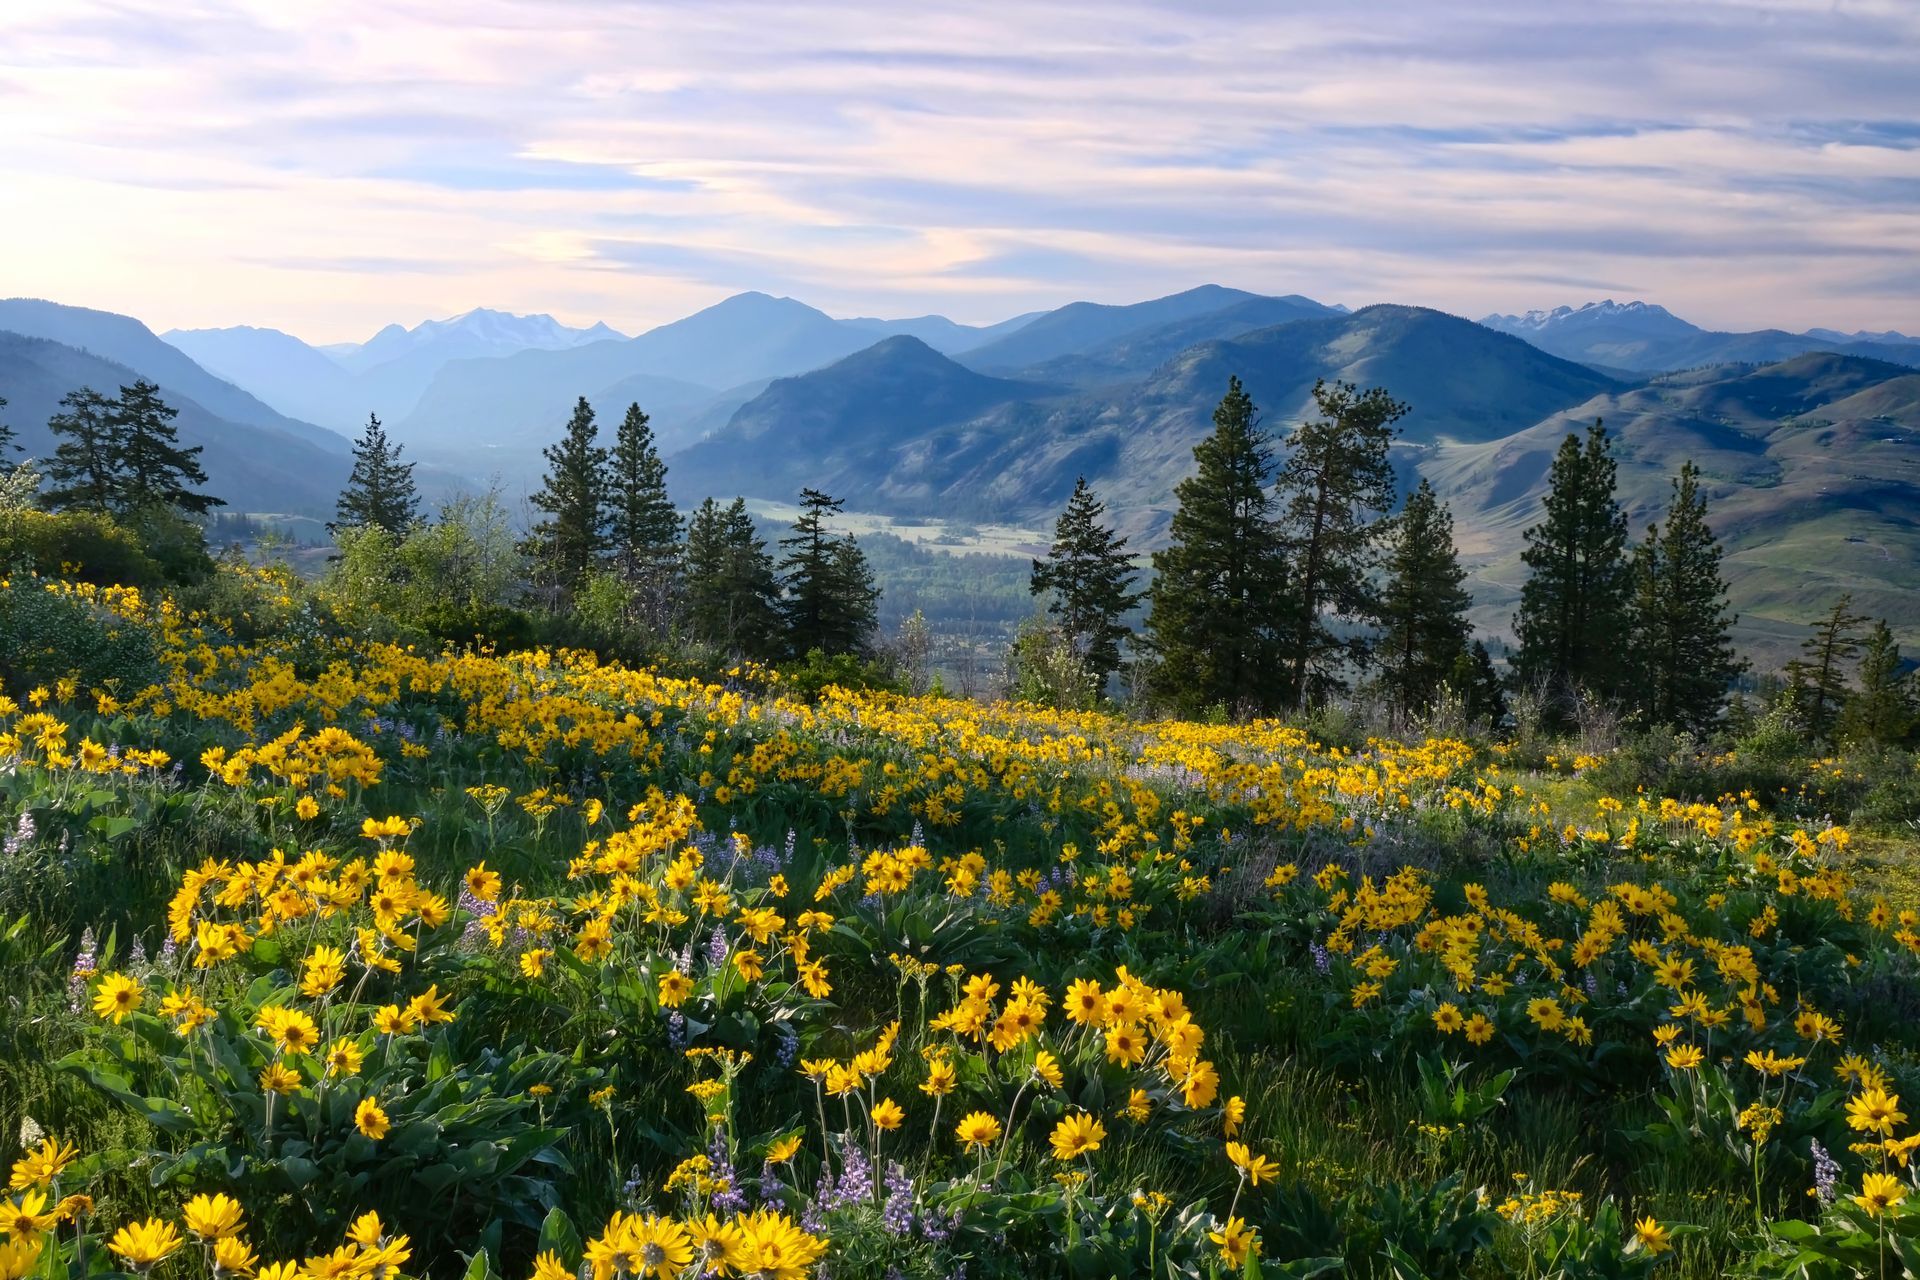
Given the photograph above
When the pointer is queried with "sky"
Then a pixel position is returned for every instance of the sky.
(327, 168)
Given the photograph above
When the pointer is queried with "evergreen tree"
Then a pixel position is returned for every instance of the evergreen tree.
(1218, 606)
(1476, 681)
(568, 544)
(645, 529)
(1883, 710)
(732, 596)
(155, 470)
(1336, 484)
(1091, 577)
(829, 594)
(380, 493)
(1818, 683)
(1574, 604)
(1423, 608)
(7, 436)
(1681, 650)
(86, 472)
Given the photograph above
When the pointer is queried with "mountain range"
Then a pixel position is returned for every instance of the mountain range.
(1807, 439)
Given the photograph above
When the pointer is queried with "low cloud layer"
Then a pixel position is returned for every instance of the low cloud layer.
(328, 168)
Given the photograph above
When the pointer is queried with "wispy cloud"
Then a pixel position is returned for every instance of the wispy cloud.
(329, 168)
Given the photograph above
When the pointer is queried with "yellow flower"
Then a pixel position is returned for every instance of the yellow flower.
(279, 1078)
(483, 884)
(549, 1267)
(27, 1217)
(213, 1217)
(1233, 1115)
(784, 1150)
(1447, 1018)
(887, 1114)
(1651, 1236)
(1077, 1135)
(307, 809)
(1047, 1068)
(343, 1058)
(42, 1164)
(116, 997)
(1875, 1111)
(675, 987)
(533, 961)
(234, 1256)
(1256, 1169)
(941, 1078)
(144, 1243)
(1879, 1192)
(1685, 1057)
(1235, 1241)
(430, 1006)
(1479, 1029)
(369, 1119)
(978, 1130)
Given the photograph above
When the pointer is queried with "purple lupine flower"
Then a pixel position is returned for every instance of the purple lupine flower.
(897, 1214)
(717, 947)
(676, 1031)
(856, 1174)
(732, 1199)
(1826, 1173)
(1321, 959)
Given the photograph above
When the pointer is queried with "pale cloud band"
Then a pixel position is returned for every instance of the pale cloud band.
(325, 168)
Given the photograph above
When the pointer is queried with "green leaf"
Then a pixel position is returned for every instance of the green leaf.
(557, 1235)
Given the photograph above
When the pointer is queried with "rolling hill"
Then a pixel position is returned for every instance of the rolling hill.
(125, 341)
(254, 467)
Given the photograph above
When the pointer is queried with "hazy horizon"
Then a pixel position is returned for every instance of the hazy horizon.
(1744, 163)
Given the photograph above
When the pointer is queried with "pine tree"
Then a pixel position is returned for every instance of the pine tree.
(731, 596)
(1218, 606)
(86, 472)
(830, 599)
(1336, 484)
(569, 544)
(7, 437)
(1423, 607)
(1883, 711)
(156, 471)
(1574, 604)
(1477, 682)
(645, 529)
(1681, 647)
(1091, 577)
(380, 493)
(1818, 683)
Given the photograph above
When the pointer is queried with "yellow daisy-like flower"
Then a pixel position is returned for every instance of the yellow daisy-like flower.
(1875, 1111)
(142, 1244)
(675, 987)
(1880, 1192)
(1651, 1236)
(213, 1217)
(887, 1114)
(117, 996)
(1077, 1135)
(1235, 1240)
(369, 1119)
(978, 1130)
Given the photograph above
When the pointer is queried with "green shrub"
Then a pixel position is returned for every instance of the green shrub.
(79, 545)
(46, 636)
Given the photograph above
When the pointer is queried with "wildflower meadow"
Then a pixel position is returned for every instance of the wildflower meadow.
(329, 959)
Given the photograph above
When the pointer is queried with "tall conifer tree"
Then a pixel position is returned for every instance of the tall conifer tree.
(155, 471)
(732, 596)
(1574, 605)
(380, 493)
(1423, 607)
(644, 528)
(7, 437)
(1218, 604)
(1883, 710)
(830, 600)
(1818, 682)
(1681, 644)
(85, 472)
(1336, 486)
(571, 541)
(1090, 576)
